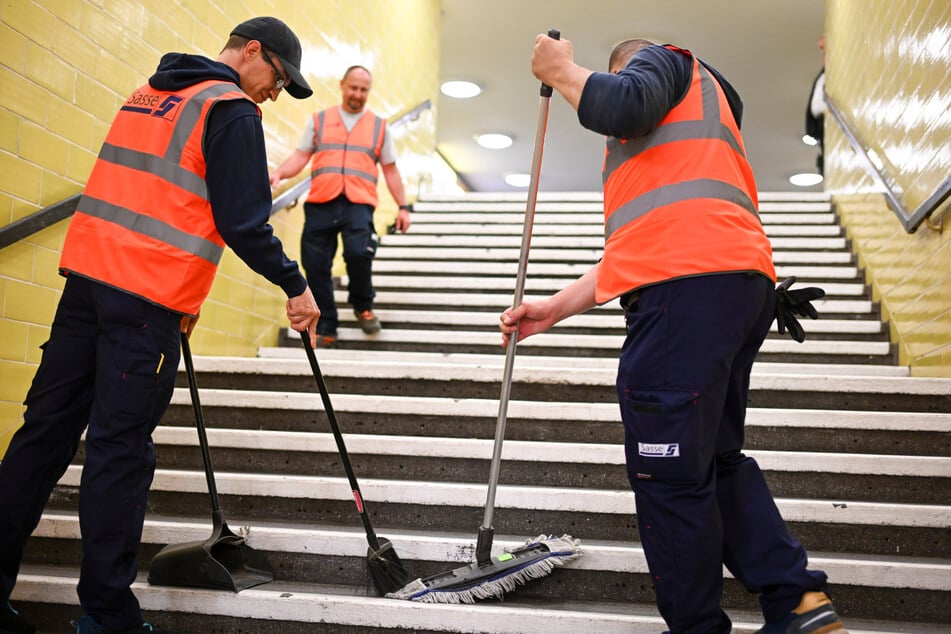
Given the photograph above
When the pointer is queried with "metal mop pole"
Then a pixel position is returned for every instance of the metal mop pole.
(484, 543)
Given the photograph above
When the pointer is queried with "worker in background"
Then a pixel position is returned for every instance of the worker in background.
(346, 142)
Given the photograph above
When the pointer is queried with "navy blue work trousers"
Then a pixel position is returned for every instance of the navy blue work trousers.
(108, 368)
(683, 386)
(323, 222)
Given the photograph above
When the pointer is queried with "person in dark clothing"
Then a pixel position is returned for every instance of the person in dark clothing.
(687, 255)
(345, 144)
(816, 109)
(182, 173)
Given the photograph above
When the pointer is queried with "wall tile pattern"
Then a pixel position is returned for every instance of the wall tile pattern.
(888, 69)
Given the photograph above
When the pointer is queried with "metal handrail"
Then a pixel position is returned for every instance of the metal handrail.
(48, 216)
(910, 221)
(37, 221)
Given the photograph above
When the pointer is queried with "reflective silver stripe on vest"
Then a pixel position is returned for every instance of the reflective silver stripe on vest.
(678, 192)
(190, 116)
(152, 227)
(709, 127)
(347, 171)
(320, 146)
(165, 169)
(168, 167)
(348, 148)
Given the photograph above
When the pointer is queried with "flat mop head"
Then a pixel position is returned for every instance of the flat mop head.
(514, 567)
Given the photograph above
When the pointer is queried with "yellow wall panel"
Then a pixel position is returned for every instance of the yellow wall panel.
(67, 66)
(9, 133)
(38, 145)
(30, 20)
(72, 45)
(17, 261)
(52, 72)
(21, 179)
(22, 96)
(13, 48)
(888, 68)
(66, 11)
(14, 345)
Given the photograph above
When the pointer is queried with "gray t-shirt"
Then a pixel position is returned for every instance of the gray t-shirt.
(387, 152)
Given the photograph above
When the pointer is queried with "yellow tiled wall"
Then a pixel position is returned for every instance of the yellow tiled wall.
(66, 66)
(888, 69)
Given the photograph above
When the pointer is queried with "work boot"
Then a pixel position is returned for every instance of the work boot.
(11, 621)
(368, 321)
(814, 615)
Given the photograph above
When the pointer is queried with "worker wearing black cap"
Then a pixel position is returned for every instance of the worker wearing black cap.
(181, 175)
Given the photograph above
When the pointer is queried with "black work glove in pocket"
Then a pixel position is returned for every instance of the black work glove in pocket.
(792, 304)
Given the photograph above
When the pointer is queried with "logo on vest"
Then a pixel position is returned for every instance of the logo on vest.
(658, 450)
(154, 105)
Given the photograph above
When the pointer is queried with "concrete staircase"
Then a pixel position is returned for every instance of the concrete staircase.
(857, 452)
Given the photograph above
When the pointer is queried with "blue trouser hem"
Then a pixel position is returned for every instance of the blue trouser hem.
(353, 224)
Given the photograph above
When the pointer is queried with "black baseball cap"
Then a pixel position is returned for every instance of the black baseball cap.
(278, 38)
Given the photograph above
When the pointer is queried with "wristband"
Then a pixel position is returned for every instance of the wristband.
(408, 208)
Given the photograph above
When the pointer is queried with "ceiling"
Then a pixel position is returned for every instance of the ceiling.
(766, 48)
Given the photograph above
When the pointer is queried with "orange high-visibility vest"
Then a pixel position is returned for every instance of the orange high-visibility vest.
(143, 223)
(681, 201)
(345, 162)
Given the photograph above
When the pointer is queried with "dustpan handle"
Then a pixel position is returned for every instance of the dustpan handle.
(200, 425)
(543, 105)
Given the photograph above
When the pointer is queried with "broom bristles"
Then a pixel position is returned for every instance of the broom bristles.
(386, 569)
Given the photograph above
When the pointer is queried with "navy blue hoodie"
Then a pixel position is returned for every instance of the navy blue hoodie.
(236, 171)
(632, 102)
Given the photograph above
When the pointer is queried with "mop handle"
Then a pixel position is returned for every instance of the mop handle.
(338, 437)
(542, 123)
(200, 424)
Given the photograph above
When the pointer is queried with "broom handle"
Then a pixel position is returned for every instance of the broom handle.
(200, 424)
(341, 446)
(484, 545)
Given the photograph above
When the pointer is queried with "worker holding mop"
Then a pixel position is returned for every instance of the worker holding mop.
(687, 255)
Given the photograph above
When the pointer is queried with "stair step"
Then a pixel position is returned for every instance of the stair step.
(569, 271)
(856, 450)
(567, 344)
(482, 253)
(449, 227)
(593, 242)
(520, 497)
(297, 607)
(590, 321)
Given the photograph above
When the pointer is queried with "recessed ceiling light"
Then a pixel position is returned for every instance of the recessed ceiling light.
(808, 140)
(518, 180)
(806, 179)
(460, 89)
(494, 141)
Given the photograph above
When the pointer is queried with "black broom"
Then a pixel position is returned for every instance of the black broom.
(386, 569)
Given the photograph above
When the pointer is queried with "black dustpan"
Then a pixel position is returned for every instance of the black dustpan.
(223, 561)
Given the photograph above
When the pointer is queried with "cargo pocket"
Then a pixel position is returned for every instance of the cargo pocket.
(373, 241)
(664, 439)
